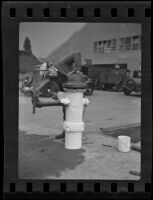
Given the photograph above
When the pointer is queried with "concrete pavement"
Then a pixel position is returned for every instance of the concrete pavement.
(41, 157)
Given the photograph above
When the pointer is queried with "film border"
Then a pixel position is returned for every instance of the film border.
(72, 12)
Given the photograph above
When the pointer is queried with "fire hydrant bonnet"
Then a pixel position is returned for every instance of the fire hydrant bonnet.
(75, 81)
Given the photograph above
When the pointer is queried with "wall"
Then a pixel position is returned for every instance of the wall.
(83, 40)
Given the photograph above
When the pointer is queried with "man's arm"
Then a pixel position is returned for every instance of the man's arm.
(70, 63)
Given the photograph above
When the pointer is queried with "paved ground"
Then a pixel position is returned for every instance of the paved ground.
(41, 157)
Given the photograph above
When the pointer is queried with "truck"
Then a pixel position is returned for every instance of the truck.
(112, 78)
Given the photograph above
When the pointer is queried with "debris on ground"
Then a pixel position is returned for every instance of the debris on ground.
(135, 173)
(107, 145)
(136, 146)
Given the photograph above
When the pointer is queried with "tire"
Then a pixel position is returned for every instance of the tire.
(89, 91)
(127, 92)
(130, 85)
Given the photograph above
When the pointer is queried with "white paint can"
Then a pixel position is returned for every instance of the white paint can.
(124, 143)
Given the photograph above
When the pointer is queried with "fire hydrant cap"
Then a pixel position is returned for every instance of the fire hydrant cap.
(75, 81)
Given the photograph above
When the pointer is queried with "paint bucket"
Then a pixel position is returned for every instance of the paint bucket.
(124, 143)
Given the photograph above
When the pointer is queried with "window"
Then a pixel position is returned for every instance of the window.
(108, 46)
(113, 45)
(121, 44)
(105, 46)
(95, 47)
(100, 46)
(136, 43)
(127, 43)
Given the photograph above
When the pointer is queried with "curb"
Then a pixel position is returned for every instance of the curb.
(120, 127)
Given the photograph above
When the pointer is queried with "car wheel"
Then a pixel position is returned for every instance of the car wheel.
(127, 92)
(89, 91)
(130, 85)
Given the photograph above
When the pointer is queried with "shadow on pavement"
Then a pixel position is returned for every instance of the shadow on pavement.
(40, 157)
(133, 132)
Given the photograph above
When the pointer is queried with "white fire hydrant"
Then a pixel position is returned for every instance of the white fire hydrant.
(74, 124)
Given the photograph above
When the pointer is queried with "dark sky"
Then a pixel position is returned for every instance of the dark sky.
(45, 37)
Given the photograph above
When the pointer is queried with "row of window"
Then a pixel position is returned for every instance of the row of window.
(121, 44)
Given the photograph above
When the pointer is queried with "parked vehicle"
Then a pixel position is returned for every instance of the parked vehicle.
(110, 80)
(119, 85)
(90, 85)
(113, 78)
(133, 84)
(51, 85)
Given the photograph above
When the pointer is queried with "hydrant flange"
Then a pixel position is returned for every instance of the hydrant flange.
(73, 127)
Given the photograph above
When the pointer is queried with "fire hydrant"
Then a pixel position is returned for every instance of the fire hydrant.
(74, 125)
(74, 102)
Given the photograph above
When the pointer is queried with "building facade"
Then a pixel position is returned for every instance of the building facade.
(104, 44)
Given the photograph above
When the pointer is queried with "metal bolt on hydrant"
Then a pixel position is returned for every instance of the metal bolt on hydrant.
(75, 104)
